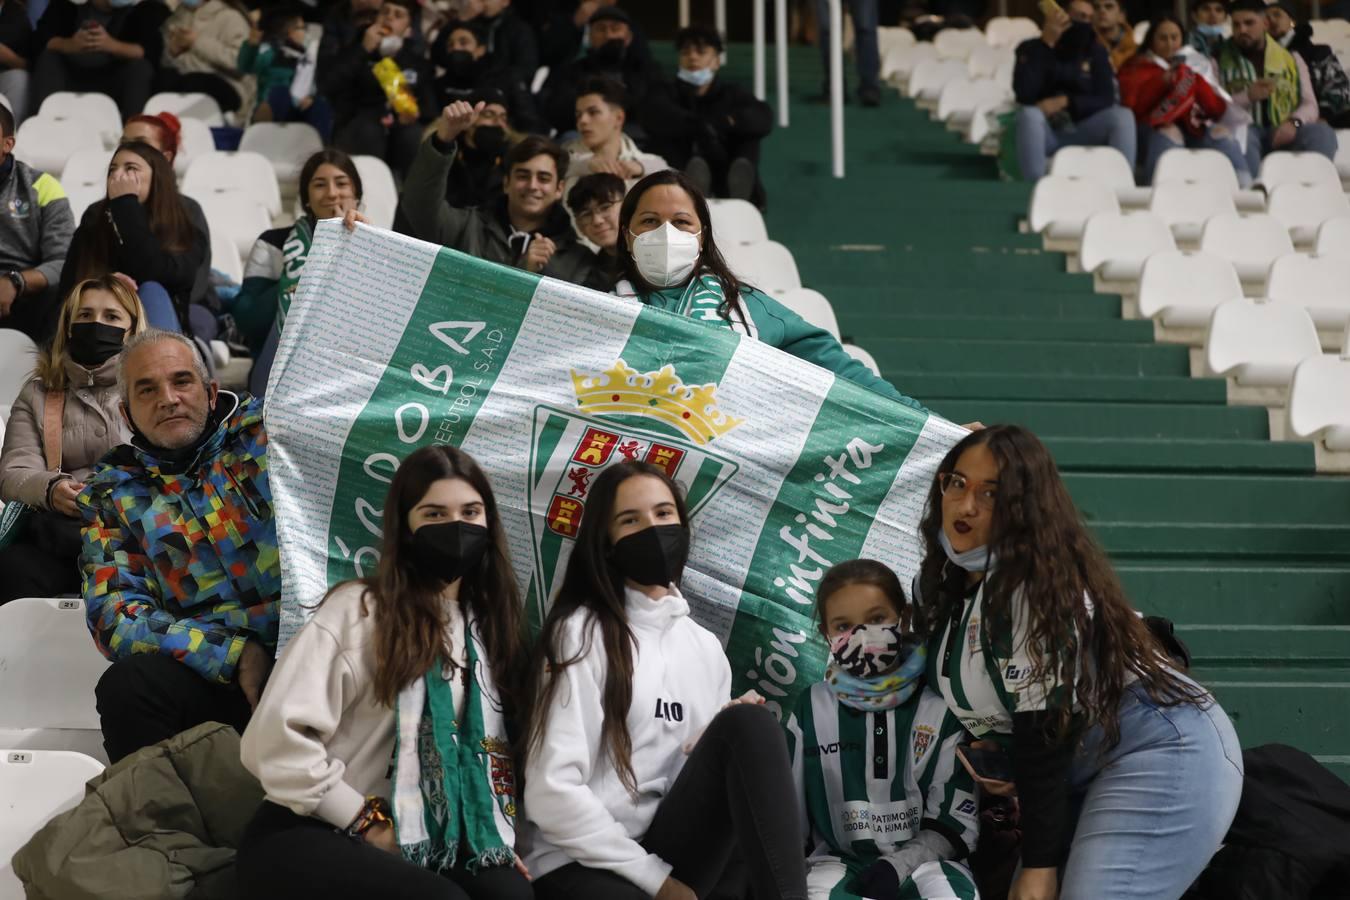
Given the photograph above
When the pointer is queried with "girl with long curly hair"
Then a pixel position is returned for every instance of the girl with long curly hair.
(1128, 773)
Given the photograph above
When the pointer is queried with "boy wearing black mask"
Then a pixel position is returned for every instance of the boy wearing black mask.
(470, 72)
(477, 172)
(1066, 92)
(616, 51)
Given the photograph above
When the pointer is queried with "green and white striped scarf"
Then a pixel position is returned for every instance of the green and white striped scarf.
(453, 782)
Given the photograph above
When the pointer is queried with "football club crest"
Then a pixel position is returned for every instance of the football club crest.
(923, 739)
(621, 414)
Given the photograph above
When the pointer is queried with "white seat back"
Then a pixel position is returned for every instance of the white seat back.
(18, 356)
(898, 63)
(46, 144)
(194, 140)
(1320, 284)
(225, 257)
(186, 106)
(1259, 343)
(1068, 202)
(35, 786)
(379, 194)
(961, 96)
(889, 38)
(931, 75)
(286, 145)
(1343, 154)
(51, 666)
(90, 110)
(737, 222)
(958, 43)
(767, 265)
(1250, 243)
(1302, 208)
(1119, 240)
(1103, 165)
(1183, 288)
(242, 172)
(1317, 397)
(1186, 205)
(1333, 238)
(1003, 31)
(1298, 168)
(811, 306)
(1206, 165)
(81, 197)
(237, 216)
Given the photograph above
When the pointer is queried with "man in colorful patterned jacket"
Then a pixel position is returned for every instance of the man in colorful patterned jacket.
(181, 573)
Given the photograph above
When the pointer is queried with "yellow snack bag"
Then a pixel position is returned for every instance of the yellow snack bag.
(1049, 7)
(396, 87)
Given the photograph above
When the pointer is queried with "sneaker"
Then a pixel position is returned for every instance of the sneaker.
(870, 96)
(741, 179)
(700, 174)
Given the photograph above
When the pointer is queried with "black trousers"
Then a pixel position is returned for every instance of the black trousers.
(734, 793)
(284, 856)
(45, 561)
(126, 80)
(35, 315)
(148, 698)
(207, 83)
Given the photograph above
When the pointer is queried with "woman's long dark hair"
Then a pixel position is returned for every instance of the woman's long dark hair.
(710, 258)
(164, 210)
(1146, 45)
(593, 584)
(1046, 553)
(410, 619)
(333, 157)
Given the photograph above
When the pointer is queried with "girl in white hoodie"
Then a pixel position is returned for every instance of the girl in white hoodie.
(398, 689)
(642, 774)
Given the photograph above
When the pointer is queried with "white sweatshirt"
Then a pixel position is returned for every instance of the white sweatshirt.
(319, 741)
(576, 808)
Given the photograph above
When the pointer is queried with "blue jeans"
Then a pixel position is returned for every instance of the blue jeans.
(1154, 808)
(319, 114)
(1315, 137)
(865, 47)
(1037, 141)
(1159, 143)
(159, 309)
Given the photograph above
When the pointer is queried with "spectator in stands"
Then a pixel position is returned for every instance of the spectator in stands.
(187, 614)
(276, 54)
(510, 40)
(370, 118)
(559, 26)
(345, 23)
(594, 201)
(1273, 86)
(1066, 92)
(1063, 673)
(1329, 81)
(614, 51)
(1175, 105)
(477, 173)
(201, 51)
(621, 804)
(1115, 33)
(669, 260)
(865, 15)
(347, 697)
(525, 227)
(707, 126)
(1209, 19)
(35, 230)
(470, 73)
(45, 463)
(143, 230)
(16, 57)
(108, 46)
(602, 145)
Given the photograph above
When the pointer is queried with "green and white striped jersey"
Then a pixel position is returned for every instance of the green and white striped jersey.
(867, 781)
(983, 671)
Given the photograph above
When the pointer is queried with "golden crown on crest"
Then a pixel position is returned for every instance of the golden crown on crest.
(623, 390)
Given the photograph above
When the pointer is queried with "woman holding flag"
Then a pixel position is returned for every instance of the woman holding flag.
(412, 663)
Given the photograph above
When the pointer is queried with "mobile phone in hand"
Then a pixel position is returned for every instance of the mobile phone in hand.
(993, 765)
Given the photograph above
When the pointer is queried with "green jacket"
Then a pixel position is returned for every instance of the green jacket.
(162, 823)
(776, 325)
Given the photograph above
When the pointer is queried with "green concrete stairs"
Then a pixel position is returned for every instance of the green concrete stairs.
(1234, 537)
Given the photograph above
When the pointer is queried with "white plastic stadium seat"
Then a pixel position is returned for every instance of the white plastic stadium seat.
(18, 354)
(1060, 207)
(243, 172)
(1259, 344)
(1320, 284)
(1333, 238)
(984, 62)
(46, 144)
(891, 37)
(863, 357)
(1209, 166)
(96, 111)
(1319, 401)
(898, 63)
(1250, 243)
(737, 222)
(1298, 168)
(1104, 165)
(379, 195)
(1343, 155)
(237, 216)
(811, 306)
(87, 168)
(1186, 205)
(767, 265)
(1115, 245)
(35, 786)
(1182, 289)
(931, 75)
(194, 140)
(1003, 31)
(81, 197)
(286, 145)
(225, 256)
(958, 43)
(51, 667)
(186, 106)
(1302, 208)
(962, 96)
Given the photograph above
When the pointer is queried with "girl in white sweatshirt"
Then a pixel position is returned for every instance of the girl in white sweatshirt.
(642, 774)
(381, 741)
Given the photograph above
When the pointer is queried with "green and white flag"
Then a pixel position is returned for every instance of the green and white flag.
(788, 469)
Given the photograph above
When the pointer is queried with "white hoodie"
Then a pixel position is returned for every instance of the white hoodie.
(576, 808)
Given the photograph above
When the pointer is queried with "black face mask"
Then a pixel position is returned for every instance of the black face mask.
(489, 140)
(92, 344)
(653, 556)
(610, 52)
(448, 550)
(459, 65)
(1076, 40)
